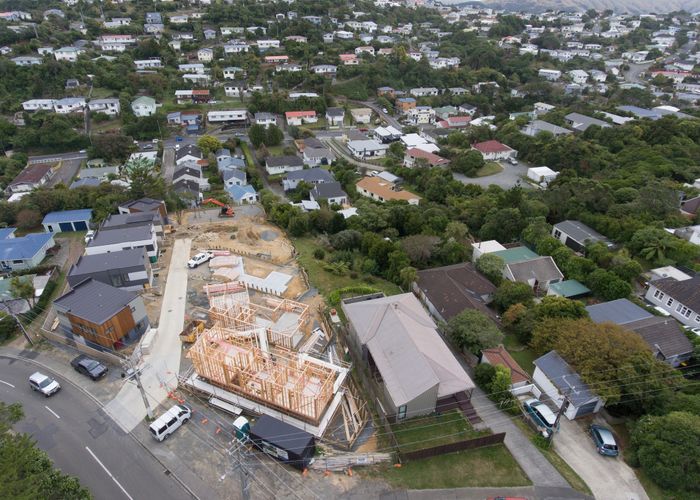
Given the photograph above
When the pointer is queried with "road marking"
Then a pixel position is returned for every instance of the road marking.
(7, 383)
(109, 473)
(52, 412)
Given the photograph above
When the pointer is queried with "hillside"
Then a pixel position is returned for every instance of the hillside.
(631, 6)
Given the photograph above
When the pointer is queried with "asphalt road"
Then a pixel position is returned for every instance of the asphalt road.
(83, 441)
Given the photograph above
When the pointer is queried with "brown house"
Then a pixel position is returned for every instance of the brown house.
(101, 315)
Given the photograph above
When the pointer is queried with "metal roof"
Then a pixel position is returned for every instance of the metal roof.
(564, 378)
(94, 301)
(516, 254)
(569, 288)
(620, 312)
(24, 247)
(87, 264)
(580, 232)
(124, 235)
(311, 175)
(68, 216)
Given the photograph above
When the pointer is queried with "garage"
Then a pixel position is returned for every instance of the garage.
(67, 221)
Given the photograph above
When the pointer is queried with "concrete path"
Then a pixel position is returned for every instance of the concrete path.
(161, 366)
(529, 492)
(540, 471)
(608, 478)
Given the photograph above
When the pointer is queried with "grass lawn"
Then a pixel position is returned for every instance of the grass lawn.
(250, 162)
(491, 466)
(491, 168)
(325, 281)
(276, 150)
(446, 428)
(522, 354)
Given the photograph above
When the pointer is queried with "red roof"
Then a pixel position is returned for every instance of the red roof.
(32, 173)
(499, 356)
(299, 114)
(459, 120)
(347, 57)
(491, 147)
(200, 92)
(431, 158)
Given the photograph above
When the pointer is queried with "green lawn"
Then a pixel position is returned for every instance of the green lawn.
(248, 155)
(325, 281)
(492, 466)
(491, 168)
(520, 353)
(426, 432)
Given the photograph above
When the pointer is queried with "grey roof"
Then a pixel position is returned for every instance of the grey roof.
(188, 150)
(564, 378)
(284, 161)
(265, 116)
(316, 175)
(620, 312)
(541, 268)
(580, 232)
(94, 301)
(234, 173)
(328, 190)
(335, 112)
(194, 172)
(131, 219)
(686, 292)
(125, 235)
(88, 264)
(543, 126)
(662, 334)
(143, 204)
(406, 347)
(582, 122)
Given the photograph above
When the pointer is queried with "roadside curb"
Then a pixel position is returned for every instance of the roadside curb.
(102, 407)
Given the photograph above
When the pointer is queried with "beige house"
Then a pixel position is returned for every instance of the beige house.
(382, 191)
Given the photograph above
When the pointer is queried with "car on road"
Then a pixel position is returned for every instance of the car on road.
(89, 367)
(541, 415)
(604, 440)
(199, 259)
(178, 138)
(384, 110)
(170, 421)
(43, 384)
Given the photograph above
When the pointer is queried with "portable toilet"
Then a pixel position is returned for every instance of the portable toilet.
(242, 427)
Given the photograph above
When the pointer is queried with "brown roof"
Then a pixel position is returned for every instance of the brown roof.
(687, 291)
(433, 159)
(662, 334)
(498, 356)
(32, 173)
(691, 206)
(382, 188)
(452, 289)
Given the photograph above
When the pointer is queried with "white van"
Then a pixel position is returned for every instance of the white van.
(170, 421)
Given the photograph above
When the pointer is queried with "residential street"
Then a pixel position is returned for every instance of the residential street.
(609, 478)
(83, 441)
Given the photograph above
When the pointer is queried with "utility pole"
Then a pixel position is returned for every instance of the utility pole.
(562, 409)
(14, 316)
(137, 377)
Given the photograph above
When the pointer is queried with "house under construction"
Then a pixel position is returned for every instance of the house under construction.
(253, 351)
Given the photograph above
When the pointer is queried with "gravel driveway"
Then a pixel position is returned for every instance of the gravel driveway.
(608, 478)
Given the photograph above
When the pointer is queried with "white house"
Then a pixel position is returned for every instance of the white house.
(424, 92)
(144, 106)
(108, 241)
(154, 62)
(69, 105)
(229, 115)
(367, 149)
(69, 54)
(109, 106)
(494, 150)
(541, 175)
(39, 104)
(679, 297)
(578, 76)
(421, 115)
(549, 74)
(268, 44)
(205, 55)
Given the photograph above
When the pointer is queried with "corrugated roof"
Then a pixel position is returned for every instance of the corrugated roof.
(569, 288)
(94, 301)
(620, 312)
(564, 378)
(662, 334)
(23, 248)
(580, 232)
(68, 216)
(542, 269)
(87, 264)
(124, 235)
(517, 254)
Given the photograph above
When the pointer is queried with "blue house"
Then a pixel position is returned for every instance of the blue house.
(24, 252)
(242, 195)
(7, 232)
(68, 220)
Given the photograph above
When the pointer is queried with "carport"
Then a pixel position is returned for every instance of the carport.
(67, 221)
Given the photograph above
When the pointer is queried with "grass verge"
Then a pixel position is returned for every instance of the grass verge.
(520, 353)
(448, 427)
(491, 168)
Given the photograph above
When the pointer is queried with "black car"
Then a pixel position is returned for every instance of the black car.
(90, 367)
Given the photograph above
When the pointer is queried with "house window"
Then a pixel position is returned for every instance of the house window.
(557, 234)
(670, 302)
(658, 294)
(697, 318)
(679, 307)
(402, 412)
(133, 309)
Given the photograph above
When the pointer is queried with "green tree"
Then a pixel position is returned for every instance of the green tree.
(273, 136)
(491, 266)
(552, 306)
(23, 288)
(256, 134)
(143, 179)
(467, 163)
(408, 275)
(208, 144)
(509, 293)
(667, 448)
(473, 331)
(8, 327)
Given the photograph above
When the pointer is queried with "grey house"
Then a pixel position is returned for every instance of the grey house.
(124, 221)
(125, 269)
(332, 192)
(415, 372)
(310, 176)
(536, 126)
(576, 235)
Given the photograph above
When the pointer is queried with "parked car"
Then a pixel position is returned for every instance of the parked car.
(512, 161)
(200, 258)
(44, 384)
(170, 421)
(374, 173)
(384, 110)
(541, 415)
(604, 440)
(89, 236)
(89, 367)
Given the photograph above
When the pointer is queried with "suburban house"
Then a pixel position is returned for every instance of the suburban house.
(144, 205)
(539, 272)
(100, 315)
(367, 148)
(580, 123)
(108, 241)
(499, 356)
(690, 207)
(265, 119)
(282, 164)
(680, 298)
(144, 106)
(126, 269)
(109, 106)
(413, 367)
(420, 115)
(123, 221)
(418, 157)
(297, 118)
(559, 381)
(310, 176)
(361, 116)
(234, 177)
(67, 220)
(232, 116)
(536, 126)
(332, 192)
(447, 291)
(242, 195)
(661, 333)
(32, 177)
(576, 235)
(335, 117)
(23, 252)
(382, 191)
(404, 104)
(549, 74)
(318, 156)
(190, 153)
(493, 150)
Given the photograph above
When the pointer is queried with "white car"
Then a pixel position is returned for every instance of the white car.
(170, 421)
(89, 236)
(43, 384)
(512, 161)
(200, 258)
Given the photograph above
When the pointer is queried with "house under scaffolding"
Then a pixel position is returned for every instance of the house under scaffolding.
(249, 357)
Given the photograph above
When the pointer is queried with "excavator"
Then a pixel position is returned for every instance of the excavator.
(226, 211)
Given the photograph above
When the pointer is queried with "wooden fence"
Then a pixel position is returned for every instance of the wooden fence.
(468, 444)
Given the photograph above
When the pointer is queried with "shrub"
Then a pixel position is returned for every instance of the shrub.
(319, 254)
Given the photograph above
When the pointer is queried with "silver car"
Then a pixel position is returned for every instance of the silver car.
(43, 384)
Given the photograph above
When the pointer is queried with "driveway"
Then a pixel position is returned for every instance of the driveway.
(512, 175)
(608, 478)
(168, 166)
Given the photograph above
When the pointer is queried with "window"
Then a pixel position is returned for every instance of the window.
(697, 318)
(133, 309)
(679, 307)
(669, 303)
(658, 294)
(557, 234)
(149, 248)
(402, 412)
